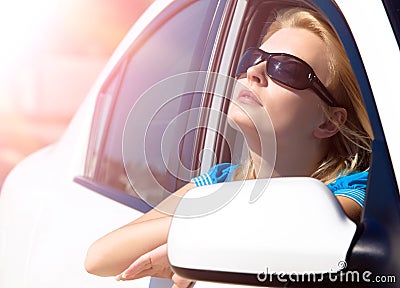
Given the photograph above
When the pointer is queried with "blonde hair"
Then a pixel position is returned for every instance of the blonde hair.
(350, 148)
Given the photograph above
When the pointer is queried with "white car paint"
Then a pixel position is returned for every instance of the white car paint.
(379, 51)
(44, 221)
(50, 215)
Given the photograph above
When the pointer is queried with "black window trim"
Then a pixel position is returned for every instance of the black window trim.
(392, 8)
(114, 194)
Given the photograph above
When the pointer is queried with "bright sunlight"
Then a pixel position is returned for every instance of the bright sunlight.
(22, 23)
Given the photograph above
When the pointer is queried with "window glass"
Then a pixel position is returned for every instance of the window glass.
(175, 46)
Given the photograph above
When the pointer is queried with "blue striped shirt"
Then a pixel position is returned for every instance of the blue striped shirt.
(353, 186)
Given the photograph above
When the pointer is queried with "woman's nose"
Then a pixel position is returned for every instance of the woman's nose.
(256, 75)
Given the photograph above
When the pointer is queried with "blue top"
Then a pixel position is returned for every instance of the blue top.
(353, 186)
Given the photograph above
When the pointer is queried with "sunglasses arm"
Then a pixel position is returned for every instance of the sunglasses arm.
(323, 93)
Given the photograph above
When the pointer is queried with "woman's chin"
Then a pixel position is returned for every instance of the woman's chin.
(247, 117)
(255, 126)
(239, 119)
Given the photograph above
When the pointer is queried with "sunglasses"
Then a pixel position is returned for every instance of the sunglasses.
(286, 69)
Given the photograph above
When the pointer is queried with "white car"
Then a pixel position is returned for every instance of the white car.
(56, 202)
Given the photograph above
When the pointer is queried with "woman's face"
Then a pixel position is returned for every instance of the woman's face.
(294, 114)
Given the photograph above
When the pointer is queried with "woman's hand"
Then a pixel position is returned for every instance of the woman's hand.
(154, 263)
(112, 253)
(180, 282)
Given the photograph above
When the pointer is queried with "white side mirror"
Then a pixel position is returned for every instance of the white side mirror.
(296, 226)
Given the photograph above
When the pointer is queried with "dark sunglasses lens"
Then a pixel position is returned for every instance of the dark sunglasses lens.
(249, 58)
(289, 71)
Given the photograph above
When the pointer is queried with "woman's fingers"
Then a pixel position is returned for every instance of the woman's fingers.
(154, 263)
(144, 273)
(180, 282)
(143, 263)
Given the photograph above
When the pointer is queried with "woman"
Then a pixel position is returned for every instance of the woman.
(301, 77)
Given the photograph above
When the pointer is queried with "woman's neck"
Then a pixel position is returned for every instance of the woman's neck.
(262, 168)
(300, 161)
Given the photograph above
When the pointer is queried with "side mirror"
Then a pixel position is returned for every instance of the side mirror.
(296, 227)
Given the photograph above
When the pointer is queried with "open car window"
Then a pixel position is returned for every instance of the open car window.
(381, 213)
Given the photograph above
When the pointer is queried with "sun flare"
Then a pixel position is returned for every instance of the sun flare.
(21, 22)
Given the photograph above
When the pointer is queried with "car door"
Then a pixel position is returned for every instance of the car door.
(374, 253)
(149, 122)
(185, 36)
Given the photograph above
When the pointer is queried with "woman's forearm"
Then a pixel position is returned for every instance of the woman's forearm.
(166, 206)
(114, 252)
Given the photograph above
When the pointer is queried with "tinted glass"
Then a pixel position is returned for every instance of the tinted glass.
(175, 46)
(288, 71)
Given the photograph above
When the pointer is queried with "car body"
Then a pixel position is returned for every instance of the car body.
(57, 201)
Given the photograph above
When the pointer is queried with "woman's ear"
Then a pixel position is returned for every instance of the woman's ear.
(330, 125)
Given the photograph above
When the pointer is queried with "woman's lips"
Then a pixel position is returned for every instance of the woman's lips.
(247, 97)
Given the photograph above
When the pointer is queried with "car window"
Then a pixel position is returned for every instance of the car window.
(381, 203)
(256, 21)
(258, 16)
(176, 42)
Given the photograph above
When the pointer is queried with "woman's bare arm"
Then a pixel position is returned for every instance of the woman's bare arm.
(351, 208)
(169, 204)
(114, 252)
